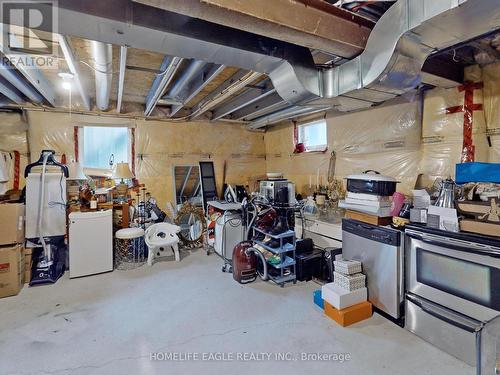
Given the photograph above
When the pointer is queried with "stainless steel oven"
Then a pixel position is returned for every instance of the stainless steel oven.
(453, 288)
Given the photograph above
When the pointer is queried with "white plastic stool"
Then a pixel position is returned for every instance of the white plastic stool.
(159, 237)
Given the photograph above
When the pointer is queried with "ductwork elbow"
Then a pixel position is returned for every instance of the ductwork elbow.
(102, 53)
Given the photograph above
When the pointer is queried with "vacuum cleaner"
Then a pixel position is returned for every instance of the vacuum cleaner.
(245, 263)
(50, 258)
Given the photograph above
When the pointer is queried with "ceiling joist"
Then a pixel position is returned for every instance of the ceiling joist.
(288, 20)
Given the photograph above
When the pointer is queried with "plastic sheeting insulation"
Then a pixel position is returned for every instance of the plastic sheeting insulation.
(51, 131)
(14, 137)
(159, 146)
(393, 140)
(491, 94)
(386, 138)
(443, 133)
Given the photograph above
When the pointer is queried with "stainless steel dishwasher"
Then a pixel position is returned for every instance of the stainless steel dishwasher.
(380, 249)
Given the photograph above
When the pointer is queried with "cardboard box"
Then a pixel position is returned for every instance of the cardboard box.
(367, 218)
(350, 315)
(28, 259)
(27, 275)
(11, 270)
(474, 226)
(341, 298)
(12, 228)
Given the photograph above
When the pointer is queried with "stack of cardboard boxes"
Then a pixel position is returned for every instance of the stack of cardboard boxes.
(12, 256)
(345, 300)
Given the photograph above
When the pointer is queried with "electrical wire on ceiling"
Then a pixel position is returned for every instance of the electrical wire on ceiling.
(160, 74)
(97, 70)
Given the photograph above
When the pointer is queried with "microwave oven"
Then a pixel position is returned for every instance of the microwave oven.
(278, 192)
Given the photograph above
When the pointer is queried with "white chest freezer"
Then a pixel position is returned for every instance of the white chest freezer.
(90, 242)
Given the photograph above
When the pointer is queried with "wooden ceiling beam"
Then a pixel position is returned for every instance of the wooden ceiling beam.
(340, 32)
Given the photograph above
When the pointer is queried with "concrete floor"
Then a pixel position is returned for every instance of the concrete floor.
(111, 323)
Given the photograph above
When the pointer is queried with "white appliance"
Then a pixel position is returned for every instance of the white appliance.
(229, 232)
(90, 242)
(54, 210)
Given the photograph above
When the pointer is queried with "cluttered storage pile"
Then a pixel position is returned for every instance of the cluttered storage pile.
(15, 260)
(371, 198)
(345, 299)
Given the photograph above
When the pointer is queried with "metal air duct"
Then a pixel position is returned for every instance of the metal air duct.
(102, 53)
(390, 65)
(9, 73)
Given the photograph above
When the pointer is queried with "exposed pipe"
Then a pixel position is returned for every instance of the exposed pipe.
(205, 77)
(169, 67)
(121, 77)
(224, 91)
(393, 58)
(4, 102)
(286, 113)
(192, 69)
(10, 92)
(9, 73)
(73, 67)
(260, 108)
(245, 99)
(102, 54)
(30, 72)
(390, 64)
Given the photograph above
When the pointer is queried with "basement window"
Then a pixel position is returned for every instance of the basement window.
(313, 135)
(103, 144)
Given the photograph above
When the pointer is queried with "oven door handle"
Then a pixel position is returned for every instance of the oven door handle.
(454, 245)
(448, 318)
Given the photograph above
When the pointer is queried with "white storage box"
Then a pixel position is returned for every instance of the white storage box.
(349, 282)
(347, 267)
(341, 298)
(380, 212)
(368, 197)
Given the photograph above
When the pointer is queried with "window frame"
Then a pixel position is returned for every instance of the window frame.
(105, 172)
(318, 149)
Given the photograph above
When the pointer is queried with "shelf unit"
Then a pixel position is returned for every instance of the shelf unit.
(286, 252)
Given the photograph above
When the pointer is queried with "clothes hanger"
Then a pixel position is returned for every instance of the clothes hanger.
(50, 161)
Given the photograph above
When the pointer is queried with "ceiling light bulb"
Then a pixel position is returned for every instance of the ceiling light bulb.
(66, 85)
(65, 75)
